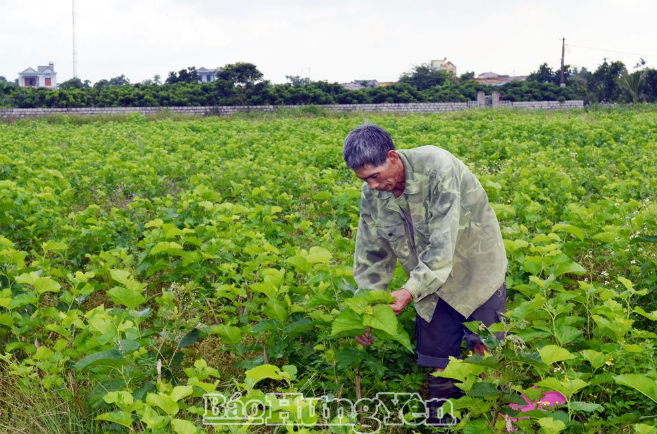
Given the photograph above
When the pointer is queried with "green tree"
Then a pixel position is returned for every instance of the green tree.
(243, 75)
(75, 83)
(423, 77)
(604, 82)
(297, 81)
(188, 75)
(121, 80)
(632, 84)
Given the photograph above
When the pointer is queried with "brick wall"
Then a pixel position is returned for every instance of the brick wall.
(14, 113)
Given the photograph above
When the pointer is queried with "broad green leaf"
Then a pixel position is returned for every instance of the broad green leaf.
(180, 392)
(155, 223)
(551, 426)
(119, 397)
(347, 323)
(570, 268)
(262, 372)
(595, 358)
(585, 406)
(120, 417)
(127, 297)
(651, 316)
(274, 309)
(642, 383)
(121, 276)
(567, 334)
(183, 427)
(642, 428)
(319, 255)
(45, 284)
(570, 229)
(382, 318)
(165, 402)
(552, 353)
(230, 335)
(375, 296)
(189, 339)
(554, 384)
(43, 353)
(626, 283)
(54, 246)
(112, 357)
(460, 370)
(29, 279)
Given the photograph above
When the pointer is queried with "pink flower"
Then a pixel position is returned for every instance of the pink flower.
(549, 399)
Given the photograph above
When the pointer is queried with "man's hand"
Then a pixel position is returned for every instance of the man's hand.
(402, 298)
(366, 338)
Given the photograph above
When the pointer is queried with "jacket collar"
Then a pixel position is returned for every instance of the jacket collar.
(410, 182)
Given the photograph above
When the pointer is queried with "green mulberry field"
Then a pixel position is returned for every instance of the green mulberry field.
(146, 262)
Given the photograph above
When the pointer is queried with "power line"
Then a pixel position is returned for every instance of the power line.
(612, 51)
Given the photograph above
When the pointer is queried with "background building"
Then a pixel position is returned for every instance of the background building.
(443, 65)
(44, 76)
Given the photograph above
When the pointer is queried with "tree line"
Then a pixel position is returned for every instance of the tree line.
(243, 84)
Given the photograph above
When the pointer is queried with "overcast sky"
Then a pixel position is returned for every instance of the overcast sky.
(335, 40)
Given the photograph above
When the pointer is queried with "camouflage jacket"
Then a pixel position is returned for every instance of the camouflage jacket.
(448, 239)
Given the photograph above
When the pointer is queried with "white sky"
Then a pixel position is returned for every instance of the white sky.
(336, 40)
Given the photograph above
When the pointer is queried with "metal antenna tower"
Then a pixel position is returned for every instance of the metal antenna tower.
(75, 53)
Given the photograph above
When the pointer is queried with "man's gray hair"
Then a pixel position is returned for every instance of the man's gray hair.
(367, 144)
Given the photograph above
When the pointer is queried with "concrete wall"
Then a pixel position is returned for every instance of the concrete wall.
(14, 113)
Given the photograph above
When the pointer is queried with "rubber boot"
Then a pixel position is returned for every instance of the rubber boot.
(441, 389)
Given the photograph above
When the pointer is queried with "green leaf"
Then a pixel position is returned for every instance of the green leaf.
(120, 417)
(274, 309)
(570, 229)
(479, 426)
(651, 316)
(570, 268)
(382, 318)
(229, 335)
(112, 357)
(348, 357)
(480, 390)
(595, 358)
(262, 372)
(642, 383)
(551, 426)
(180, 392)
(121, 276)
(644, 239)
(375, 296)
(642, 428)
(155, 223)
(460, 370)
(319, 255)
(552, 353)
(567, 334)
(183, 427)
(43, 353)
(189, 339)
(585, 406)
(45, 284)
(554, 384)
(127, 297)
(347, 323)
(165, 402)
(29, 279)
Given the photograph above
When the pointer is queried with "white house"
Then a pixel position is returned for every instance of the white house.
(44, 76)
(207, 75)
(443, 65)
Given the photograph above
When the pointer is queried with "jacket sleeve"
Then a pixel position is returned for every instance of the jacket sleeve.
(435, 262)
(374, 260)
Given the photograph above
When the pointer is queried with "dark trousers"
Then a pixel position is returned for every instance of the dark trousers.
(441, 338)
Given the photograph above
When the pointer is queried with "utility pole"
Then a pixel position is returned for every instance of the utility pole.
(75, 54)
(562, 81)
